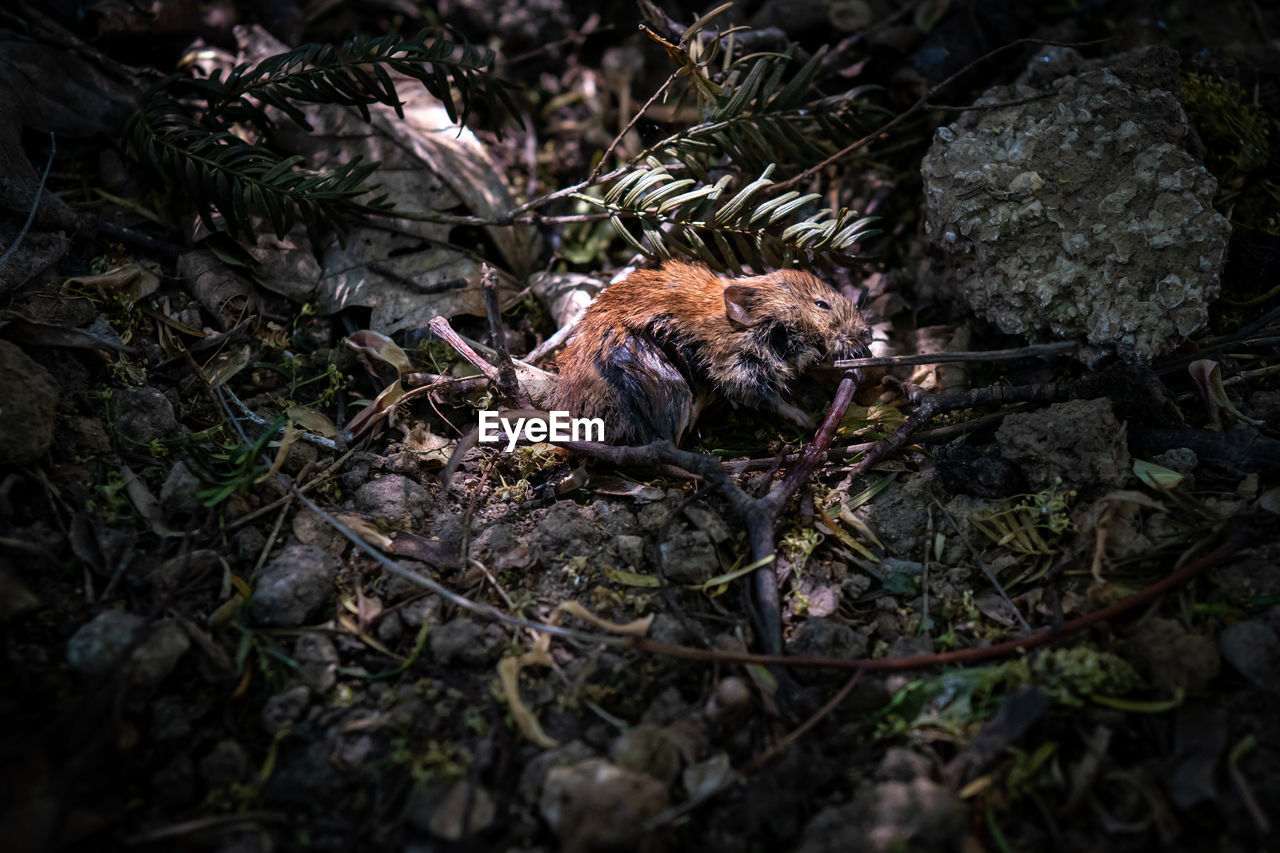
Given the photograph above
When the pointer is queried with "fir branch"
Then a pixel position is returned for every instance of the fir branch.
(759, 119)
(355, 74)
(221, 172)
(682, 216)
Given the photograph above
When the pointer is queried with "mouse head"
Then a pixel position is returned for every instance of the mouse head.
(798, 315)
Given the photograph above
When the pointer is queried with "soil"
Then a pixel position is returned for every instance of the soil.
(221, 636)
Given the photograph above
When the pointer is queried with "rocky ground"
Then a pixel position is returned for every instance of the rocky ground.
(230, 624)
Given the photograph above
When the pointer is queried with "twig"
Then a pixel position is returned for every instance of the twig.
(508, 386)
(919, 106)
(561, 335)
(632, 123)
(676, 812)
(1236, 541)
(35, 202)
(985, 566)
(760, 515)
(440, 326)
(1042, 350)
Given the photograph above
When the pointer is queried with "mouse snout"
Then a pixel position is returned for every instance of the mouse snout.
(849, 335)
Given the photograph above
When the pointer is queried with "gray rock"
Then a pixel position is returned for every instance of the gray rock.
(827, 638)
(446, 815)
(567, 529)
(904, 817)
(285, 708)
(1253, 649)
(468, 641)
(152, 661)
(392, 496)
(534, 775)
(143, 414)
(630, 550)
(293, 586)
(1077, 443)
(598, 806)
(689, 557)
(225, 764)
(144, 655)
(318, 657)
(910, 647)
(101, 643)
(178, 494)
(500, 547)
(1081, 215)
(902, 765)
(28, 402)
(666, 628)
(648, 749)
(899, 515)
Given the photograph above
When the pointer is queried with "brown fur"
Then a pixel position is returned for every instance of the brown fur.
(655, 348)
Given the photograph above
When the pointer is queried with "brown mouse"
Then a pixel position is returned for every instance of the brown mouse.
(654, 349)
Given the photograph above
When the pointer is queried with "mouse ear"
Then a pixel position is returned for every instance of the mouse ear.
(738, 302)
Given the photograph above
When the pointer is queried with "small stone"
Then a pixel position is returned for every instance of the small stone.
(152, 661)
(1171, 657)
(225, 764)
(598, 806)
(689, 557)
(566, 530)
(630, 550)
(827, 638)
(102, 643)
(646, 749)
(293, 586)
(178, 494)
(910, 647)
(902, 765)
(534, 775)
(1253, 649)
(1082, 215)
(1077, 443)
(919, 816)
(709, 522)
(500, 547)
(731, 697)
(467, 641)
(1180, 460)
(143, 414)
(318, 657)
(449, 818)
(285, 708)
(666, 628)
(393, 497)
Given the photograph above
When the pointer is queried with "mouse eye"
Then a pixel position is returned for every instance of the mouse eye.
(822, 304)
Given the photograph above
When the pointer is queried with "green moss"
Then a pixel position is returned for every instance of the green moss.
(1233, 129)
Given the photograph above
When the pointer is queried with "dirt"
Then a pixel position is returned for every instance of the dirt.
(217, 638)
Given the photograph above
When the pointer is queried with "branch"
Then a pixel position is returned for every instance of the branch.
(1060, 348)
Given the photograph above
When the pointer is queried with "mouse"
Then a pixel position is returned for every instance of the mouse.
(655, 349)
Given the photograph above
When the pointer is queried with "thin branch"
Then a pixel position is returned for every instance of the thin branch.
(508, 385)
(1038, 350)
(919, 106)
(35, 201)
(635, 118)
(1234, 543)
(441, 328)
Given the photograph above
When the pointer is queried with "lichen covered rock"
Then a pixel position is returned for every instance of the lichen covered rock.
(1080, 214)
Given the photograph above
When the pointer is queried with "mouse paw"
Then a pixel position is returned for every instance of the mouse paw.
(794, 415)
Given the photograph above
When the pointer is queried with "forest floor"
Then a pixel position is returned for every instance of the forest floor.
(241, 611)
